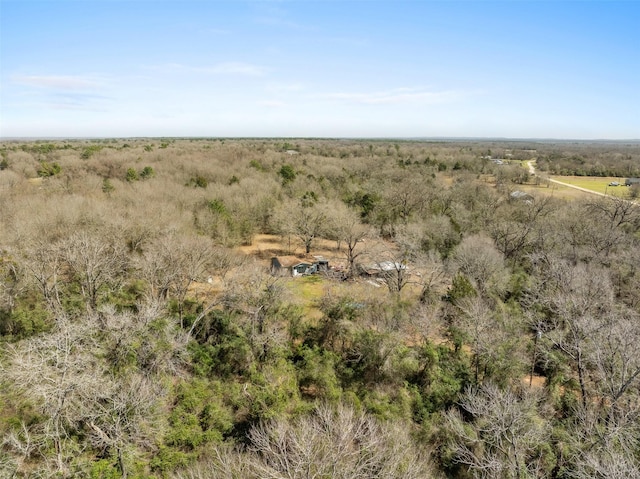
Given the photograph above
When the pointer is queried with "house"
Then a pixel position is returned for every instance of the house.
(631, 181)
(294, 266)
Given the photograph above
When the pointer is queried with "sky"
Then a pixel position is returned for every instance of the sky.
(299, 68)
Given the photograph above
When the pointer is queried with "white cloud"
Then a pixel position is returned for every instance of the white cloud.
(399, 95)
(284, 87)
(272, 104)
(57, 82)
(235, 68)
(225, 68)
(61, 92)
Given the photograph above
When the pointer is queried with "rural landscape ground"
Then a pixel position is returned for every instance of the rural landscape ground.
(464, 309)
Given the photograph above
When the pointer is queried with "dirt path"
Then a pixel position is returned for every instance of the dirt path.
(532, 171)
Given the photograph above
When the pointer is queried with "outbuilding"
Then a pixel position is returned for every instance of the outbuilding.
(631, 181)
(294, 266)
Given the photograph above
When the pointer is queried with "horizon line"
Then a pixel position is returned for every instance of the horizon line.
(361, 138)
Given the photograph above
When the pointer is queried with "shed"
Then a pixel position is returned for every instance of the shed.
(292, 265)
(322, 264)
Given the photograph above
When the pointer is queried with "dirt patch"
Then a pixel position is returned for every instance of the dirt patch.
(264, 247)
(536, 382)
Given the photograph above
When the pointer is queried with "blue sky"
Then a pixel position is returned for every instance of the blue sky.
(514, 69)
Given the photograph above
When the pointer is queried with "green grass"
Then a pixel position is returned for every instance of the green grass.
(598, 184)
(309, 289)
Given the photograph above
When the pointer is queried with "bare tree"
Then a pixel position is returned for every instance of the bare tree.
(337, 443)
(480, 261)
(72, 377)
(45, 264)
(577, 298)
(603, 446)
(504, 436)
(618, 212)
(172, 264)
(304, 219)
(591, 233)
(514, 227)
(94, 261)
(479, 323)
(57, 373)
(344, 225)
(12, 282)
(122, 414)
(258, 297)
(606, 464)
(617, 356)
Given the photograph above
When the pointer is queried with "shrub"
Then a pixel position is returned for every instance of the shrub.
(107, 186)
(198, 181)
(89, 151)
(287, 173)
(48, 169)
(147, 172)
(132, 175)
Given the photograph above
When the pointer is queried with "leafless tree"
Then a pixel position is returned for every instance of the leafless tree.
(12, 282)
(332, 442)
(172, 264)
(591, 233)
(121, 415)
(302, 219)
(57, 372)
(44, 262)
(504, 437)
(578, 296)
(479, 323)
(94, 261)
(515, 227)
(617, 212)
(603, 446)
(344, 225)
(480, 261)
(406, 196)
(607, 464)
(71, 377)
(616, 354)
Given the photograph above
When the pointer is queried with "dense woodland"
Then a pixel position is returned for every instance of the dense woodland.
(139, 338)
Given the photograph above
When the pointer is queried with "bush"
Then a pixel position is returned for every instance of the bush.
(287, 173)
(132, 175)
(107, 186)
(89, 151)
(198, 181)
(48, 169)
(147, 172)
(22, 323)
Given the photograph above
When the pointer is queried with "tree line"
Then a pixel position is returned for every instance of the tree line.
(137, 340)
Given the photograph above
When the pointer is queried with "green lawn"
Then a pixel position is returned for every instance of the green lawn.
(599, 184)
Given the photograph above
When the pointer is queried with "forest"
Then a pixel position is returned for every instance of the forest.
(460, 331)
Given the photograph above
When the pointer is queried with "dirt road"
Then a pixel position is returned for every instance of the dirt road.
(532, 171)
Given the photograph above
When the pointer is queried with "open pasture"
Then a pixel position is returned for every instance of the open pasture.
(597, 184)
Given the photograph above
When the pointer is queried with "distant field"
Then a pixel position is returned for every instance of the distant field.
(598, 184)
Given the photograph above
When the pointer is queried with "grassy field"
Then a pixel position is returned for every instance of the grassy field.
(598, 184)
